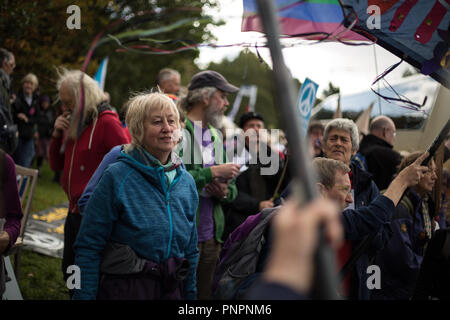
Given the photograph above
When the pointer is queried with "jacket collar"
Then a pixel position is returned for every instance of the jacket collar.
(144, 157)
(371, 140)
(155, 174)
(190, 127)
(416, 200)
(103, 106)
(217, 143)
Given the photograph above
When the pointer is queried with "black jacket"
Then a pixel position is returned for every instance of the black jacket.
(434, 275)
(382, 160)
(26, 129)
(252, 189)
(45, 121)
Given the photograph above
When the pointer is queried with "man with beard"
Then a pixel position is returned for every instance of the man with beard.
(205, 159)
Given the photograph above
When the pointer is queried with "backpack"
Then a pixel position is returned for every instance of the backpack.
(433, 280)
(239, 259)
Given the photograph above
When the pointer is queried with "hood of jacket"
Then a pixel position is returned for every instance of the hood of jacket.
(150, 168)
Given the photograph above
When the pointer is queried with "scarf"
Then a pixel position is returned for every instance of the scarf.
(141, 155)
(426, 217)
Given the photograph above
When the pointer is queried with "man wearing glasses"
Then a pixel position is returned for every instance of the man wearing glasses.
(377, 147)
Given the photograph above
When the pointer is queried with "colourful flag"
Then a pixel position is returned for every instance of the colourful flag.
(101, 73)
(318, 18)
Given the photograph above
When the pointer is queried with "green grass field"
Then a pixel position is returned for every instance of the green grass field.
(40, 277)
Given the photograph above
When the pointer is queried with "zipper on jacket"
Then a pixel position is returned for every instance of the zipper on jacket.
(168, 209)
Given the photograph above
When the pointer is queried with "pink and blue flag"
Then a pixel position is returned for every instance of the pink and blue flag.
(310, 19)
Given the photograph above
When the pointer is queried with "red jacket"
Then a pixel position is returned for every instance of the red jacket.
(88, 151)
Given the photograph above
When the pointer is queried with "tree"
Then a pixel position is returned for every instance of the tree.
(331, 90)
(129, 72)
(36, 32)
(247, 69)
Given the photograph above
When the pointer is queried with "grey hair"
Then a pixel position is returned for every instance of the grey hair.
(344, 125)
(165, 74)
(93, 95)
(325, 170)
(195, 96)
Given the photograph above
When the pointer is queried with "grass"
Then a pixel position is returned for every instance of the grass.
(40, 276)
(47, 193)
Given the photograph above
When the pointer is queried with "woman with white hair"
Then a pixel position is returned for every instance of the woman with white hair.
(77, 147)
(25, 111)
(138, 237)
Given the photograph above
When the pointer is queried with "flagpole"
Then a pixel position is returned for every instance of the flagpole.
(303, 185)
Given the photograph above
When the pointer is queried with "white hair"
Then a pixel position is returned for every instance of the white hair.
(344, 125)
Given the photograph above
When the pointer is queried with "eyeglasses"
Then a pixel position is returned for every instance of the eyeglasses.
(347, 188)
(394, 133)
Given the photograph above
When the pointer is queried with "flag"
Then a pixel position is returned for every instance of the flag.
(338, 112)
(101, 73)
(305, 102)
(303, 17)
(416, 31)
(363, 120)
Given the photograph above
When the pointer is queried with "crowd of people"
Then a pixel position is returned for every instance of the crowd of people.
(169, 201)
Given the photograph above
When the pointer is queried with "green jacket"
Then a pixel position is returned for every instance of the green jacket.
(203, 176)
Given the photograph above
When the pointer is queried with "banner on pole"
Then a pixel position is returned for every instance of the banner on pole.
(250, 91)
(305, 102)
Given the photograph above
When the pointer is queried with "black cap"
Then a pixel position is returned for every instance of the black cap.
(249, 116)
(211, 78)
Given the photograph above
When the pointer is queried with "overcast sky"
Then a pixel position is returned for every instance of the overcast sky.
(351, 68)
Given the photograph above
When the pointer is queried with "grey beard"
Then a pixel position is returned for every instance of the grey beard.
(213, 118)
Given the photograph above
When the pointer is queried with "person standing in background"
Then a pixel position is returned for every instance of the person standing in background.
(25, 112)
(45, 121)
(78, 154)
(205, 105)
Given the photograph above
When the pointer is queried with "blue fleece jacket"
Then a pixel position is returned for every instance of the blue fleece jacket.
(132, 205)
